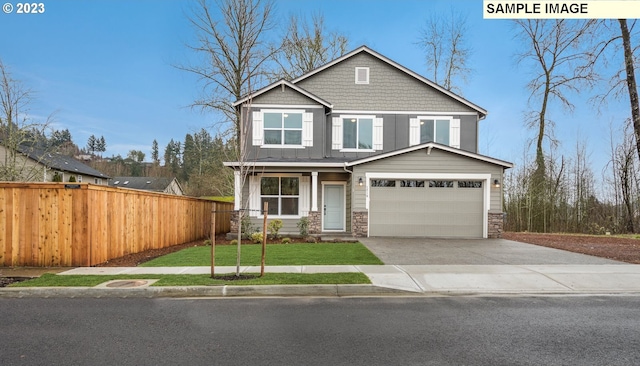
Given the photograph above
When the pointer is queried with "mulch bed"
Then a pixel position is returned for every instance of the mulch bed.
(620, 249)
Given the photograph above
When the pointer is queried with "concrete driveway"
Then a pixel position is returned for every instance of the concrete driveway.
(429, 251)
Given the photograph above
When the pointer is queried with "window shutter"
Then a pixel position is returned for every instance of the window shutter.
(454, 133)
(254, 195)
(307, 129)
(377, 133)
(305, 195)
(258, 129)
(414, 131)
(336, 133)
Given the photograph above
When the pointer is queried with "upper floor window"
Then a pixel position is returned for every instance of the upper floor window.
(280, 128)
(353, 133)
(434, 130)
(440, 129)
(357, 133)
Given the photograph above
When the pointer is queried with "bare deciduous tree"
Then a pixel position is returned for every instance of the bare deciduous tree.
(18, 132)
(552, 47)
(307, 46)
(232, 50)
(444, 41)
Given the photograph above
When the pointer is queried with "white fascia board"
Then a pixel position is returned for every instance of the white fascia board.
(419, 113)
(431, 145)
(283, 83)
(284, 164)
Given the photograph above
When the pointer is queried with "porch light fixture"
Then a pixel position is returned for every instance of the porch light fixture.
(360, 182)
(496, 183)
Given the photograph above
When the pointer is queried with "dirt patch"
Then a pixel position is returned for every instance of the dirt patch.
(620, 249)
(6, 281)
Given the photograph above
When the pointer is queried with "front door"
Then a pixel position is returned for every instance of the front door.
(333, 210)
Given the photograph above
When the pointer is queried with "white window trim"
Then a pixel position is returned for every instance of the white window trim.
(283, 145)
(362, 82)
(283, 175)
(439, 176)
(357, 117)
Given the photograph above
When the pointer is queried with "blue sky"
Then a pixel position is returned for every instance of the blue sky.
(106, 68)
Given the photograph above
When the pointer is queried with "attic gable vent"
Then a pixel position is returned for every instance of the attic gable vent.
(362, 75)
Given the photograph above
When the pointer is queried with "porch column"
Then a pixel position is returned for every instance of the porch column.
(237, 189)
(314, 191)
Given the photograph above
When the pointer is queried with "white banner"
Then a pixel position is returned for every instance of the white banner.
(561, 9)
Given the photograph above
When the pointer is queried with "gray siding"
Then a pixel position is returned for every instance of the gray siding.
(285, 95)
(389, 89)
(437, 162)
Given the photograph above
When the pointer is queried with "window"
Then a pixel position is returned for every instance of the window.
(357, 133)
(79, 178)
(441, 184)
(99, 181)
(470, 184)
(362, 75)
(412, 183)
(283, 128)
(434, 130)
(282, 194)
(383, 183)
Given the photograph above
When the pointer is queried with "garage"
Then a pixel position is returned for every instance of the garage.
(427, 207)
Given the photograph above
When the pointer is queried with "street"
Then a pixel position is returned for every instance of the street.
(579, 330)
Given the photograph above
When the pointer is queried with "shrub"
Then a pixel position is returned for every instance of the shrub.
(72, 179)
(246, 226)
(207, 242)
(256, 237)
(303, 226)
(234, 242)
(274, 227)
(286, 241)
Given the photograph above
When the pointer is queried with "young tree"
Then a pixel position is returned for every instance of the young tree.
(552, 48)
(18, 132)
(231, 46)
(447, 53)
(306, 46)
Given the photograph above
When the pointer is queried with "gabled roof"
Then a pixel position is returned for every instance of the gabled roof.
(155, 184)
(283, 83)
(429, 146)
(59, 162)
(417, 76)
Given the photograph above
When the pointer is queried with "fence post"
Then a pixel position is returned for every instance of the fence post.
(213, 239)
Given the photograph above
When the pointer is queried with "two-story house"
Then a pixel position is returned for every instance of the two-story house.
(365, 146)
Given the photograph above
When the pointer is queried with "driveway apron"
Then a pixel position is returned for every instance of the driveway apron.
(431, 251)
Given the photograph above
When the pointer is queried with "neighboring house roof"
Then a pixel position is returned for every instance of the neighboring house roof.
(284, 83)
(60, 162)
(481, 111)
(155, 184)
(429, 146)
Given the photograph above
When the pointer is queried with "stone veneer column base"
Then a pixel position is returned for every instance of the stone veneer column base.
(234, 222)
(315, 223)
(360, 223)
(496, 225)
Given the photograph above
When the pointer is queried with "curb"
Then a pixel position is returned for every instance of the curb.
(200, 291)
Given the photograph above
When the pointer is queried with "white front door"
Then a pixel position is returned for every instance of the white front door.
(333, 207)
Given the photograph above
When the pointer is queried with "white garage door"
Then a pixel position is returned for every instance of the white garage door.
(428, 208)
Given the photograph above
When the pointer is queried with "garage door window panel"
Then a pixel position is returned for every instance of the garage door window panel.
(470, 184)
(441, 184)
(383, 183)
(412, 183)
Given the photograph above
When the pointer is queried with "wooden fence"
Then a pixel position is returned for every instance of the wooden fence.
(56, 224)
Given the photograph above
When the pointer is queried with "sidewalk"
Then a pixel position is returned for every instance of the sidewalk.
(412, 280)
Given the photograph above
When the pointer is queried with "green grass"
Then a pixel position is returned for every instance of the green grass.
(276, 255)
(219, 198)
(53, 280)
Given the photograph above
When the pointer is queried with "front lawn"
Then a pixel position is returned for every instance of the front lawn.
(53, 280)
(276, 255)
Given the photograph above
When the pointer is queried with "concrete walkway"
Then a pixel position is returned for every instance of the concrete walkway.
(386, 280)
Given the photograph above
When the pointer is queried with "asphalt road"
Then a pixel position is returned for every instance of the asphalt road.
(322, 331)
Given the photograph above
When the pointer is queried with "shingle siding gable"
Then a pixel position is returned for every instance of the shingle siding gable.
(280, 96)
(389, 88)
